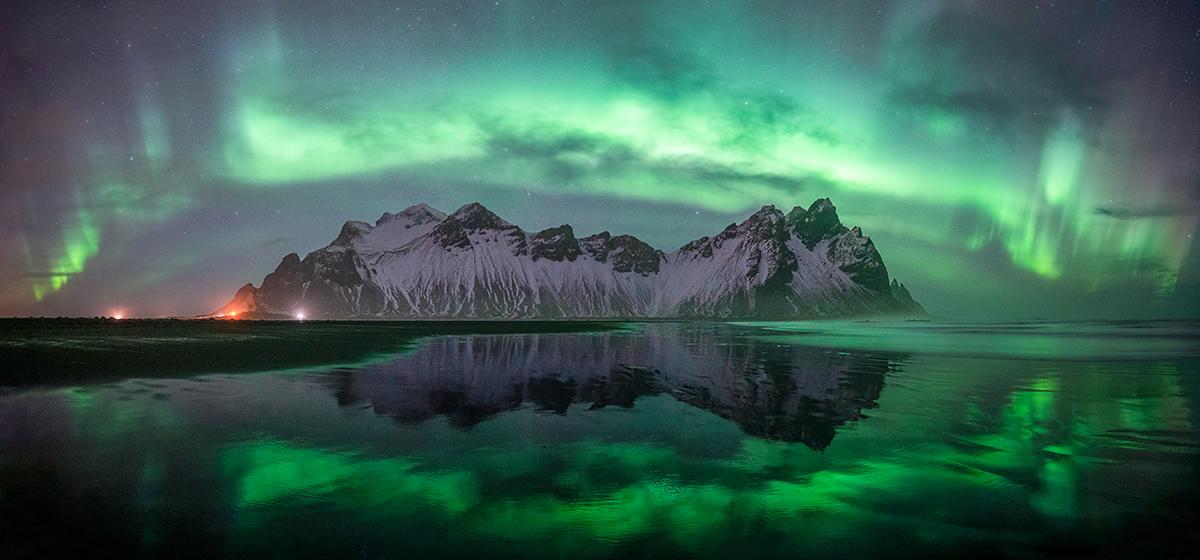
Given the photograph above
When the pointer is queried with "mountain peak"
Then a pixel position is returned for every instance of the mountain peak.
(594, 245)
(766, 223)
(822, 205)
(819, 222)
(474, 217)
(902, 296)
(351, 230)
(416, 214)
(555, 244)
(477, 216)
(470, 209)
(630, 254)
(245, 300)
(768, 212)
(421, 207)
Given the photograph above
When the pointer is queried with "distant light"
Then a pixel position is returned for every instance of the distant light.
(233, 313)
(118, 316)
(299, 315)
(220, 314)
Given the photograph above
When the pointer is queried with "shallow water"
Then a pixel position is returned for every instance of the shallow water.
(701, 439)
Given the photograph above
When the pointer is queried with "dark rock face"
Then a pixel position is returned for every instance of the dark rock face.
(903, 298)
(864, 265)
(766, 224)
(854, 253)
(768, 256)
(819, 222)
(626, 252)
(473, 218)
(451, 233)
(555, 244)
(702, 246)
(282, 289)
(706, 246)
(630, 254)
(350, 231)
(332, 281)
(596, 245)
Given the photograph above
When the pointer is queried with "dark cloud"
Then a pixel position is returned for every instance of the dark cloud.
(706, 172)
(660, 69)
(275, 241)
(1129, 213)
(761, 117)
(998, 68)
(645, 50)
(652, 56)
(569, 156)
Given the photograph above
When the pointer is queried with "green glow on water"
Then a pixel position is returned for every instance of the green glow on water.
(1031, 458)
(274, 473)
(980, 447)
(1026, 341)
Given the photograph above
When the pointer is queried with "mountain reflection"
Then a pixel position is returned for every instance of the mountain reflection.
(782, 392)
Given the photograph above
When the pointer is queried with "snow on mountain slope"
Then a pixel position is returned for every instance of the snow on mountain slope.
(422, 263)
(742, 271)
(391, 231)
(476, 265)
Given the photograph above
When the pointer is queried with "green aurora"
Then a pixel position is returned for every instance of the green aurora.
(1009, 161)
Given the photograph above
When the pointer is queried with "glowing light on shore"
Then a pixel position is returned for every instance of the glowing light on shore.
(118, 316)
(299, 315)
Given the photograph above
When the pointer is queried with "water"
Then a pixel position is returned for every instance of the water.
(597, 440)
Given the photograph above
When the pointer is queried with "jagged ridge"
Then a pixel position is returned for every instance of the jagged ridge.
(422, 263)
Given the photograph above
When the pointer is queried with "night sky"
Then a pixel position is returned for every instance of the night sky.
(1010, 159)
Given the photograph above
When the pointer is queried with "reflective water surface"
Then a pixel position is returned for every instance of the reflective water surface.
(639, 439)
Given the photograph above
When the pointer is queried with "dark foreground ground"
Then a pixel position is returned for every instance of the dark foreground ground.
(64, 351)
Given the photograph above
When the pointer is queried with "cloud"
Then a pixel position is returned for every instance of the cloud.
(654, 58)
(668, 72)
(993, 67)
(275, 241)
(567, 156)
(1131, 213)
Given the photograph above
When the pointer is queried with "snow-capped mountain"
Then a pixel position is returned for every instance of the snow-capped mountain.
(422, 263)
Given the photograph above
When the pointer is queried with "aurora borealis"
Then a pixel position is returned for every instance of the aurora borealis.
(1033, 159)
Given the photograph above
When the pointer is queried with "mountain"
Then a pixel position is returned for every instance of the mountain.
(424, 264)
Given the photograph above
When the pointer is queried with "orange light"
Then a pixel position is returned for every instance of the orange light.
(118, 316)
(233, 313)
